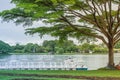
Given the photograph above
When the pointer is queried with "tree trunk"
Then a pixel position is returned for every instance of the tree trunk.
(111, 55)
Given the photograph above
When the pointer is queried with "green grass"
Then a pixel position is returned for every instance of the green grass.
(95, 73)
(98, 73)
(38, 78)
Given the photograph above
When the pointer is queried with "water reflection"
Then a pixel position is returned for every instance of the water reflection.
(91, 61)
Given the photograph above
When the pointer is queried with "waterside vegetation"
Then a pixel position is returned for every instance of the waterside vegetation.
(55, 47)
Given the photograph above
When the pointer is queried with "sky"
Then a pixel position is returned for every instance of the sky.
(12, 34)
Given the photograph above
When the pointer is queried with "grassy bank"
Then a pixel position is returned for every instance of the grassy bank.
(55, 75)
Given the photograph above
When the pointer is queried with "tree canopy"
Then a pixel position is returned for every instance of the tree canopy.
(70, 18)
(51, 46)
(4, 47)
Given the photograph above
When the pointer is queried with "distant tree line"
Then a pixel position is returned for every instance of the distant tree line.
(4, 47)
(54, 47)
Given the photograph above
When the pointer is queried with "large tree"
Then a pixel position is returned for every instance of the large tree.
(94, 18)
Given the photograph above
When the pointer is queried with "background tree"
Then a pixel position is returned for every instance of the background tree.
(4, 47)
(56, 47)
(68, 46)
(117, 46)
(101, 19)
(51, 45)
(40, 49)
(100, 49)
(31, 48)
(18, 48)
(87, 47)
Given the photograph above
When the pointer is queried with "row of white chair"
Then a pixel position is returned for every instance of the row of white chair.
(35, 65)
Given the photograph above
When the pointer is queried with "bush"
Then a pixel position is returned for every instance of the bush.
(100, 50)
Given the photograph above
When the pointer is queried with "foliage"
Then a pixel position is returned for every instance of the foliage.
(92, 48)
(70, 18)
(87, 47)
(50, 12)
(62, 16)
(117, 46)
(30, 48)
(55, 46)
(67, 47)
(18, 48)
(51, 45)
(100, 50)
(59, 50)
(4, 47)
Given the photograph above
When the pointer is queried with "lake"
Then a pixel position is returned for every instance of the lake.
(93, 62)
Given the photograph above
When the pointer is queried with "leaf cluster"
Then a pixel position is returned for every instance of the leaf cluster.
(66, 17)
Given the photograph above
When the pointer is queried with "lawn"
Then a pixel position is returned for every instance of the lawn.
(56, 74)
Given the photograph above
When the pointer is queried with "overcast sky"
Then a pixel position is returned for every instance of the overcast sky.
(12, 34)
